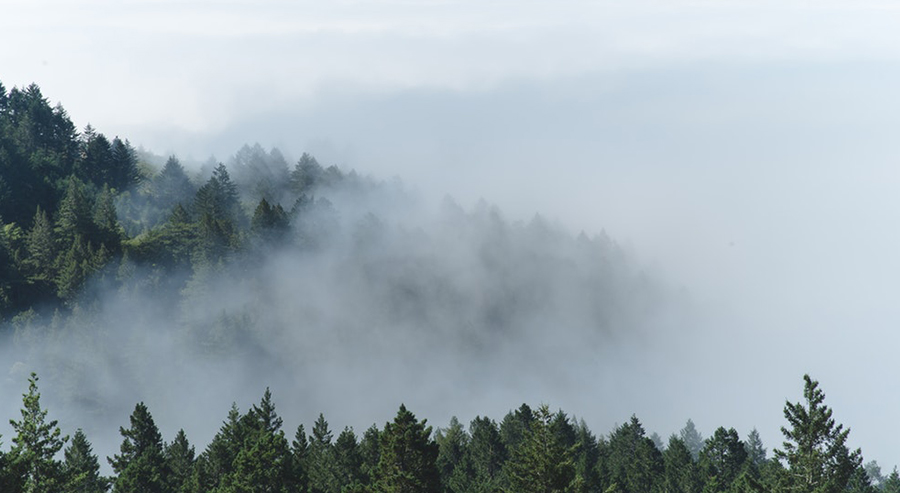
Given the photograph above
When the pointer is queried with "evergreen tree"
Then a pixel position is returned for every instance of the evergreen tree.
(756, 453)
(123, 171)
(681, 473)
(815, 448)
(722, 460)
(634, 463)
(264, 463)
(321, 459)
(180, 460)
(860, 482)
(305, 175)
(451, 459)
(36, 444)
(541, 463)
(300, 454)
(892, 483)
(141, 466)
(75, 216)
(41, 245)
(81, 468)
(217, 461)
(587, 457)
(408, 457)
(348, 462)
(486, 455)
(370, 453)
(692, 439)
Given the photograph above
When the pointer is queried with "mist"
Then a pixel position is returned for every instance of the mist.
(741, 156)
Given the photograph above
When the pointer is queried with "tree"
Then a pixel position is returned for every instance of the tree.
(692, 439)
(756, 453)
(141, 466)
(486, 455)
(321, 460)
(408, 457)
(860, 482)
(180, 460)
(123, 170)
(37, 442)
(892, 483)
(815, 448)
(348, 461)
(722, 460)
(451, 459)
(81, 468)
(681, 474)
(541, 463)
(634, 463)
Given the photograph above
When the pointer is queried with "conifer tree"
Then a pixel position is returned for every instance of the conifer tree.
(692, 439)
(452, 460)
(634, 463)
(141, 466)
(81, 468)
(541, 463)
(321, 459)
(486, 455)
(37, 441)
(722, 460)
(681, 473)
(892, 483)
(348, 462)
(408, 457)
(815, 447)
(180, 462)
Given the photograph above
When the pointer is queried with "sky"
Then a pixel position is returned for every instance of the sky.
(744, 150)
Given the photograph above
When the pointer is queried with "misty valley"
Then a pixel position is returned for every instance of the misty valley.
(126, 277)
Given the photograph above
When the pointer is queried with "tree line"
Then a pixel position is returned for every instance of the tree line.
(529, 450)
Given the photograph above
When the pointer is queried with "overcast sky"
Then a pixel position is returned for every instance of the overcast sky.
(747, 150)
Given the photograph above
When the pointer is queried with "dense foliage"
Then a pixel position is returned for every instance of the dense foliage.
(529, 450)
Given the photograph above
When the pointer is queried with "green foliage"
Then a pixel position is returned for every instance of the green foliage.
(722, 460)
(141, 465)
(541, 463)
(681, 473)
(815, 447)
(37, 441)
(633, 462)
(485, 455)
(81, 468)
(180, 460)
(408, 457)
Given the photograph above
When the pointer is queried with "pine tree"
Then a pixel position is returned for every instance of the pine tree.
(451, 461)
(860, 482)
(81, 468)
(634, 463)
(141, 466)
(722, 460)
(756, 453)
(36, 444)
(321, 459)
(815, 448)
(892, 483)
(348, 462)
(486, 455)
(180, 462)
(300, 454)
(541, 463)
(122, 172)
(681, 473)
(408, 457)
(692, 439)
(41, 245)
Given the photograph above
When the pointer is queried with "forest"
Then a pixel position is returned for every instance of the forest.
(113, 259)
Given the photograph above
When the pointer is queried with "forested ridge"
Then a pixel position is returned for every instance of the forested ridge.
(121, 273)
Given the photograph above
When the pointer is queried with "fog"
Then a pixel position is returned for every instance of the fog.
(743, 155)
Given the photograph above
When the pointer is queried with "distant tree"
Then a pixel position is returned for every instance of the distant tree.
(756, 453)
(305, 175)
(873, 470)
(37, 441)
(300, 454)
(692, 439)
(370, 454)
(106, 221)
(587, 458)
(42, 249)
(408, 457)
(141, 464)
(122, 172)
(81, 468)
(171, 186)
(815, 448)
(269, 223)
